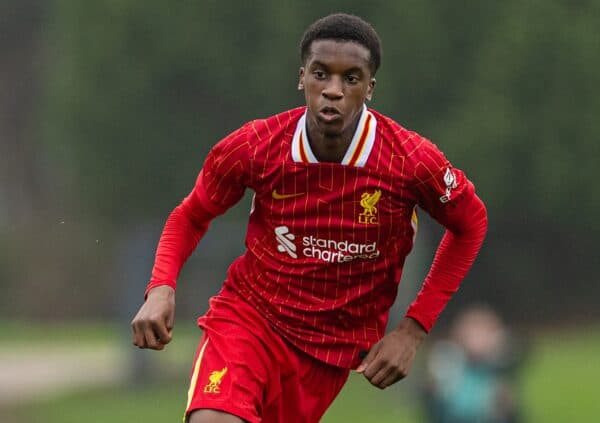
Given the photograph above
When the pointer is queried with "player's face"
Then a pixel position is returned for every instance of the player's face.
(337, 81)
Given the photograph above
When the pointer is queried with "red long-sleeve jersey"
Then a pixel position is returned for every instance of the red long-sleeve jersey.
(326, 242)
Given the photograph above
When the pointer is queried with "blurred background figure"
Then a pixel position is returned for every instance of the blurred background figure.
(472, 373)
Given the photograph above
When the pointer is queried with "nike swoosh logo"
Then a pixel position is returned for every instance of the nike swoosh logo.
(278, 196)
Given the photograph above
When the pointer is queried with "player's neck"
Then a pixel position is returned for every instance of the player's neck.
(330, 148)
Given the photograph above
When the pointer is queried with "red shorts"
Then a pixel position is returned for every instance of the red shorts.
(244, 368)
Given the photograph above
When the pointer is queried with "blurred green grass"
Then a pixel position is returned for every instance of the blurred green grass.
(560, 377)
(165, 403)
(558, 384)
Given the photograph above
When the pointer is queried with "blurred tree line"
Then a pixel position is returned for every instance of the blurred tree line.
(124, 99)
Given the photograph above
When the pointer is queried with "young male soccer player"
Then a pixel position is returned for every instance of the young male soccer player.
(332, 220)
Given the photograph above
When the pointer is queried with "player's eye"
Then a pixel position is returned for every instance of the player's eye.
(352, 79)
(319, 74)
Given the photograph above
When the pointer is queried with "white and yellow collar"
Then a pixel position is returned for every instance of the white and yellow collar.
(358, 152)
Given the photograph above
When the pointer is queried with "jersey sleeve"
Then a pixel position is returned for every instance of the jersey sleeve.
(220, 184)
(439, 187)
(225, 174)
(448, 196)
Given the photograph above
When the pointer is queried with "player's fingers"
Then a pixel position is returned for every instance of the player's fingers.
(151, 339)
(373, 368)
(138, 334)
(380, 375)
(390, 379)
(162, 333)
(368, 359)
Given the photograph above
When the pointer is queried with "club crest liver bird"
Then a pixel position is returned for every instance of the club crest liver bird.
(368, 201)
(215, 379)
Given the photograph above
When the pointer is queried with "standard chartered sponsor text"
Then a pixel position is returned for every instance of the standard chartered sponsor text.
(333, 251)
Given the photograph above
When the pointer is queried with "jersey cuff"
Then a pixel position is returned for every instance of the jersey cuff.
(420, 320)
(154, 284)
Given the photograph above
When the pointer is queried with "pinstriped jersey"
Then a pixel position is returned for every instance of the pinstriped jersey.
(326, 242)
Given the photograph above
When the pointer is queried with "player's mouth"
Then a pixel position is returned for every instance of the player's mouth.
(329, 114)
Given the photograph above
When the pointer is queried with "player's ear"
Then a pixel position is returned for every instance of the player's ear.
(301, 79)
(371, 88)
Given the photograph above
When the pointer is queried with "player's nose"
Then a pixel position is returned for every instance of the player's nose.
(334, 89)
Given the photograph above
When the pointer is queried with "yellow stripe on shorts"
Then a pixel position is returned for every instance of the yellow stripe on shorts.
(195, 377)
(414, 222)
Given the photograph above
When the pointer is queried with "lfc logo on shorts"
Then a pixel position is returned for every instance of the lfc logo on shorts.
(215, 380)
(367, 202)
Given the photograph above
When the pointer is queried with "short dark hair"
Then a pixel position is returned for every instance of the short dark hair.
(343, 27)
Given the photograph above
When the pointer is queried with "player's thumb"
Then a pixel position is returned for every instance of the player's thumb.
(167, 328)
(170, 320)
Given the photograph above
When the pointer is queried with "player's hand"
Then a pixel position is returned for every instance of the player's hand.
(153, 324)
(390, 359)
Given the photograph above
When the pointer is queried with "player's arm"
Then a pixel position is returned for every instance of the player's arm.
(220, 184)
(466, 225)
(450, 198)
(187, 223)
(390, 359)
